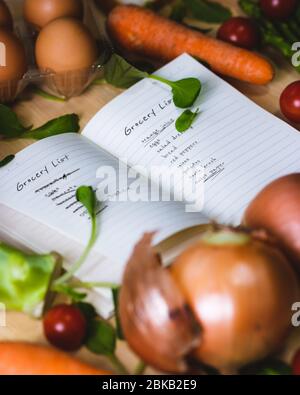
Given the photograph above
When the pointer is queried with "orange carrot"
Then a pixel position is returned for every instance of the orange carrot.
(31, 359)
(143, 32)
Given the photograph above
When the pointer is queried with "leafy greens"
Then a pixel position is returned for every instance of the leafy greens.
(11, 126)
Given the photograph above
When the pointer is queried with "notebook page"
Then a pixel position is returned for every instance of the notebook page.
(41, 183)
(239, 145)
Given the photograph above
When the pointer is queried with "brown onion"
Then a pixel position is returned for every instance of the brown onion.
(154, 316)
(277, 209)
(239, 290)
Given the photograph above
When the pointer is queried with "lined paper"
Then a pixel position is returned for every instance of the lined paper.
(41, 183)
(240, 146)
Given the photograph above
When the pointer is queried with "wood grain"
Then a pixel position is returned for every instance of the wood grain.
(36, 110)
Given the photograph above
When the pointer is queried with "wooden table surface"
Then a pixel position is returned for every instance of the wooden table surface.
(36, 110)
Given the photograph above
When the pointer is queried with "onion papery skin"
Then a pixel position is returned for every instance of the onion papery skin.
(155, 318)
(241, 294)
(277, 209)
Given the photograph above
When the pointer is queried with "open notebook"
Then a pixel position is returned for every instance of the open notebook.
(239, 146)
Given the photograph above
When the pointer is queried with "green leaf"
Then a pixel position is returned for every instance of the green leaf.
(116, 293)
(101, 338)
(99, 81)
(86, 196)
(208, 11)
(251, 8)
(10, 125)
(178, 11)
(268, 367)
(185, 92)
(88, 310)
(25, 278)
(118, 72)
(6, 160)
(48, 96)
(198, 29)
(65, 124)
(70, 291)
(185, 121)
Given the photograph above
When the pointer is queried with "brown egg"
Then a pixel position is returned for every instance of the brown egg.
(66, 47)
(13, 65)
(6, 20)
(12, 57)
(40, 12)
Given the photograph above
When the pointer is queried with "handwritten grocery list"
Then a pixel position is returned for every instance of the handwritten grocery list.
(41, 183)
(239, 145)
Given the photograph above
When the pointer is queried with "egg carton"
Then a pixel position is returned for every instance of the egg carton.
(67, 84)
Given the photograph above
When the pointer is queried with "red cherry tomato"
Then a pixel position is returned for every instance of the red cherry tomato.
(240, 31)
(278, 9)
(296, 364)
(65, 327)
(290, 102)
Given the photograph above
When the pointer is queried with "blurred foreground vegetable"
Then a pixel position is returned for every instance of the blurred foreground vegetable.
(65, 327)
(240, 288)
(226, 301)
(155, 318)
(30, 359)
(277, 209)
(142, 31)
(26, 279)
